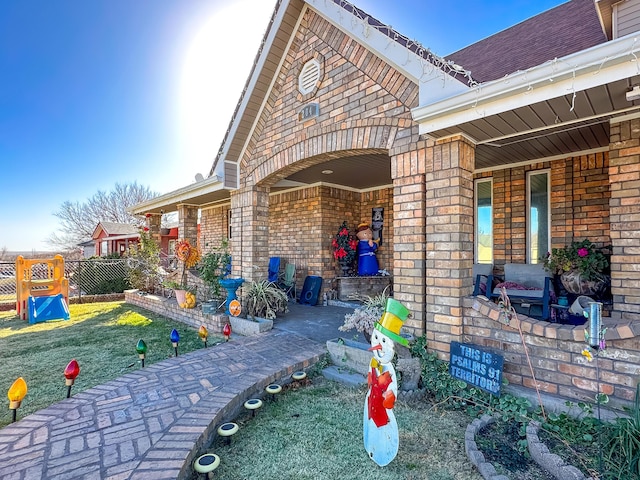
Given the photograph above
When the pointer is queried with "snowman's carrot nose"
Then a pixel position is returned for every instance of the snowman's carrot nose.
(377, 347)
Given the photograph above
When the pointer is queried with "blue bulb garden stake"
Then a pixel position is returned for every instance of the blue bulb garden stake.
(175, 338)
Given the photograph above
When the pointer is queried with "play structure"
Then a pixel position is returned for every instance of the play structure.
(42, 291)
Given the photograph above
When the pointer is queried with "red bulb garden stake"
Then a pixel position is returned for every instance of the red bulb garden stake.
(226, 331)
(70, 373)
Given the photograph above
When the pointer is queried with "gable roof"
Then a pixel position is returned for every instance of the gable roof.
(115, 229)
(558, 32)
(405, 55)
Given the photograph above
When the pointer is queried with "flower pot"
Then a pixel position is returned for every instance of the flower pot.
(573, 282)
(180, 296)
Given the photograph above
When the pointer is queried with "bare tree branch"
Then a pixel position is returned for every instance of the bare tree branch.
(78, 220)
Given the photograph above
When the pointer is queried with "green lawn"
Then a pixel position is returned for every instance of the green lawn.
(316, 433)
(101, 336)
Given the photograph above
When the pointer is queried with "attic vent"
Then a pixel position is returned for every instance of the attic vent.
(309, 77)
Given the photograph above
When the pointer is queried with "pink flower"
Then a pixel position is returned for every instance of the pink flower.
(583, 252)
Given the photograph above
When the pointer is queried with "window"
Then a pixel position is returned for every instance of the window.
(484, 221)
(538, 216)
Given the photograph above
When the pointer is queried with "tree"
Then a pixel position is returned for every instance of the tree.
(78, 220)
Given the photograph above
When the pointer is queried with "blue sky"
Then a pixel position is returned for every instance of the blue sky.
(103, 91)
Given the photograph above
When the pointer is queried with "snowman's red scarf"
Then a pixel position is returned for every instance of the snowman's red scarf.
(377, 386)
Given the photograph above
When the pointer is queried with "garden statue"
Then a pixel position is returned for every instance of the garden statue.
(380, 430)
(367, 261)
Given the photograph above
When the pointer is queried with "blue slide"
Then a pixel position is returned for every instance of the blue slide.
(52, 307)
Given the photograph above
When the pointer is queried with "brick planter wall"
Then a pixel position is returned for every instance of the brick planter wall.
(169, 308)
(555, 352)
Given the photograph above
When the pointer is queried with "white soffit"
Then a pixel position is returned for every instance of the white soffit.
(599, 65)
(434, 83)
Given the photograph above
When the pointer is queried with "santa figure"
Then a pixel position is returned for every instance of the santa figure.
(380, 430)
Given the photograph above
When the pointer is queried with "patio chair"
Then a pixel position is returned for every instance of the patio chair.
(274, 269)
(288, 281)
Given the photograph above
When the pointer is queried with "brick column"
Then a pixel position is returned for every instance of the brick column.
(250, 226)
(188, 223)
(153, 224)
(624, 214)
(449, 238)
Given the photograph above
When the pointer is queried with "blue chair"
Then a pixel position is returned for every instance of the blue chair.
(274, 269)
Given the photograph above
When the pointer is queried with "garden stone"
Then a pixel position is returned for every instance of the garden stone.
(410, 369)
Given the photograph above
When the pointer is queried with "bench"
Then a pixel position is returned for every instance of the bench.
(527, 285)
(482, 278)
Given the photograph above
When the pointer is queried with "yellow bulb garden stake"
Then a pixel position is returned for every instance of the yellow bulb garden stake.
(380, 429)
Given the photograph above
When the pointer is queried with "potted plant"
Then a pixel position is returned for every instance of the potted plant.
(265, 299)
(213, 267)
(364, 318)
(344, 246)
(581, 267)
(188, 255)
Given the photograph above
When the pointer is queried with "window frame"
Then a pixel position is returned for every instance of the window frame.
(476, 255)
(529, 233)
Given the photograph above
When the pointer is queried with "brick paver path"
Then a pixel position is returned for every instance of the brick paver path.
(151, 423)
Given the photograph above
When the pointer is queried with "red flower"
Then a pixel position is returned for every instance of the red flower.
(344, 245)
(146, 229)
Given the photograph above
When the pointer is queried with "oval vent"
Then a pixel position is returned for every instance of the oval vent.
(309, 77)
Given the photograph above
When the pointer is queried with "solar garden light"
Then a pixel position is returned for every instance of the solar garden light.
(16, 394)
(253, 404)
(226, 331)
(273, 390)
(203, 334)
(175, 339)
(206, 464)
(70, 373)
(141, 348)
(227, 430)
(299, 376)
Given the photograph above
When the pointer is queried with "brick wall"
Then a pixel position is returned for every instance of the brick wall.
(214, 227)
(302, 223)
(580, 196)
(555, 352)
(624, 179)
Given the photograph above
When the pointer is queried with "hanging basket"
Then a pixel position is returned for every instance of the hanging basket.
(573, 282)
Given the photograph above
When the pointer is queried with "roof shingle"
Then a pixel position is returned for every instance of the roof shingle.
(563, 30)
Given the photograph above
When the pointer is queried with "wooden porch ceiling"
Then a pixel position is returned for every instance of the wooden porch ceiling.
(556, 127)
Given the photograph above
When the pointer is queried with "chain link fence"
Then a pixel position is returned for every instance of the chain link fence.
(86, 278)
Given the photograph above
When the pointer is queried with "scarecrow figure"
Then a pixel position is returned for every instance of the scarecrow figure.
(380, 430)
(367, 261)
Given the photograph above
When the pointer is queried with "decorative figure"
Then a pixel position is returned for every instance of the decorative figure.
(367, 261)
(380, 429)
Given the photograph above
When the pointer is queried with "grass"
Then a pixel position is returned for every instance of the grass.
(316, 432)
(101, 336)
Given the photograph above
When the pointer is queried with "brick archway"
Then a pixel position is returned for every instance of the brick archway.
(341, 140)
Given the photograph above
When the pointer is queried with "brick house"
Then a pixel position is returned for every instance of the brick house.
(341, 114)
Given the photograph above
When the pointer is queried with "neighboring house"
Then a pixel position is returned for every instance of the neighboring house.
(111, 237)
(538, 125)
(88, 248)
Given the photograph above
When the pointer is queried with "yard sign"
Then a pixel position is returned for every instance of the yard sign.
(477, 367)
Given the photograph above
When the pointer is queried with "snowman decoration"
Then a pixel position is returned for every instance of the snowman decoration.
(380, 429)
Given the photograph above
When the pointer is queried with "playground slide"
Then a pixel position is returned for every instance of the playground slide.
(42, 309)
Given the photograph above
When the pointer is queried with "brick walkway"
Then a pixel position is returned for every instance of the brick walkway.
(151, 423)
